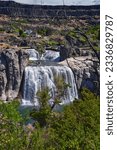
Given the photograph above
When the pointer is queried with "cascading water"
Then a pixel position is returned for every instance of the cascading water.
(50, 55)
(40, 77)
(37, 78)
(33, 54)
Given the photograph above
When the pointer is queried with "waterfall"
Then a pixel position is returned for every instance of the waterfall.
(50, 55)
(40, 77)
(33, 54)
(37, 78)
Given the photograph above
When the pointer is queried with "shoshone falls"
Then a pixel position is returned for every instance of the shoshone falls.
(43, 75)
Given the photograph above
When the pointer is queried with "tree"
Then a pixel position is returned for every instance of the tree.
(77, 126)
(45, 109)
(12, 133)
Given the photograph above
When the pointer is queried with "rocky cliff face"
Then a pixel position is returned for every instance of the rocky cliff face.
(86, 71)
(22, 10)
(12, 64)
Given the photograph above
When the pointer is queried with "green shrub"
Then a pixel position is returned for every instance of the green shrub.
(10, 110)
(52, 43)
(21, 33)
(76, 127)
(44, 31)
(2, 29)
(72, 34)
(82, 39)
(94, 32)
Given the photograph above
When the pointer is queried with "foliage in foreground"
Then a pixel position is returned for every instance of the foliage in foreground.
(75, 128)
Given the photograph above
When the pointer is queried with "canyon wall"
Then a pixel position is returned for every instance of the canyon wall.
(11, 8)
(12, 64)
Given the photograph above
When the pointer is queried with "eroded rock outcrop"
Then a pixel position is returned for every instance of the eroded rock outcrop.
(86, 71)
(12, 64)
(76, 52)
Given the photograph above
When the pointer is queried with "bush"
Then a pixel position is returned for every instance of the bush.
(76, 127)
(2, 29)
(21, 33)
(44, 31)
(10, 110)
(94, 32)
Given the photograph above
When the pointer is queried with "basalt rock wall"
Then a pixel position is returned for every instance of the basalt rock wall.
(12, 64)
(23, 10)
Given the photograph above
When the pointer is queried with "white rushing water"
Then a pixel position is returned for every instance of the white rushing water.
(37, 78)
(33, 54)
(50, 55)
(40, 77)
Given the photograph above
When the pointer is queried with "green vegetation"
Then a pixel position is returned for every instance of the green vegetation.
(17, 30)
(80, 37)
(41, 47)
(21, 33)
(22, 21)
(9, 110)
(52, 43)
(11, 129)
(73, 34)
(76, 127)
(43, 113)
(94, 31)
(44, 31)
(2, 29)
(14, 28)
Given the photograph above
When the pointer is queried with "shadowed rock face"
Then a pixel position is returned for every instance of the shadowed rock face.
(23, 10)
(12, 64)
